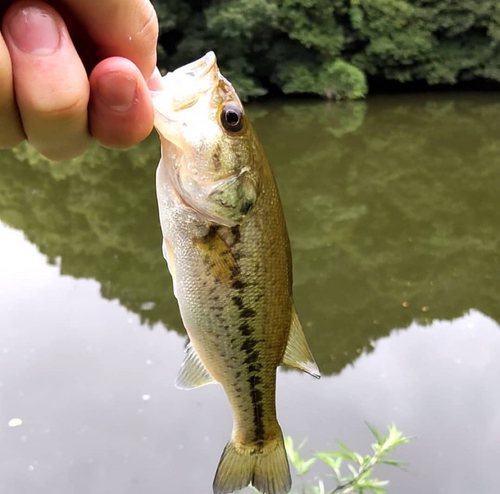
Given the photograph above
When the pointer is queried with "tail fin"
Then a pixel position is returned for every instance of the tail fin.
(266, 470)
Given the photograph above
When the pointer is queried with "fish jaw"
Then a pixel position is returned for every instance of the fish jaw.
(214, 170)
(182, 89)
(219, 214)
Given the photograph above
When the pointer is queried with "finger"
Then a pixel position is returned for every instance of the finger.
(50, 82)
(155, 82)
(11, 129)
(121, 111)
(123, 28)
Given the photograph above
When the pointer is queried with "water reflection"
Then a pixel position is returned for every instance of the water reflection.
(100, 412)
(393, 212)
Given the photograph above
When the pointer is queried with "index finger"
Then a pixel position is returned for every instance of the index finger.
(123, 28)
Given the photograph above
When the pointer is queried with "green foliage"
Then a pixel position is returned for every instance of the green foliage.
(300, 465)
(395, 37)
(342, 80)
(335, 80)
(240, 17)
(350, 471)
(313, 24)
(329, 47)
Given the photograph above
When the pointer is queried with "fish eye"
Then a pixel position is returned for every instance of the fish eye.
(232, 118)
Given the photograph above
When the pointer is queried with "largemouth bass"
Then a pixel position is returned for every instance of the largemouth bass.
(227, 249)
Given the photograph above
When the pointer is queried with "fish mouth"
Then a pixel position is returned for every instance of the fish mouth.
(199, 68)
(183, 87)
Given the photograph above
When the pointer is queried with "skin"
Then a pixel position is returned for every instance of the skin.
(68, 74)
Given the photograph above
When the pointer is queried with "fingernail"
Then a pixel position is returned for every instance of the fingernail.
(117, 91)
(34, 31)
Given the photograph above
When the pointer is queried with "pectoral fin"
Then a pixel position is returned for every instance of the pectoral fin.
(217, 256)
(193, 374)
(297, 353)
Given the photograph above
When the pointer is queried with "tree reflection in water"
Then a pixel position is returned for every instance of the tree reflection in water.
(393, 209)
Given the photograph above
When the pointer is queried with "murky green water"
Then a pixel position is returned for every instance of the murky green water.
(393, 209)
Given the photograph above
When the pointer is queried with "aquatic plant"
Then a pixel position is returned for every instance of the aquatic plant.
(351, 471)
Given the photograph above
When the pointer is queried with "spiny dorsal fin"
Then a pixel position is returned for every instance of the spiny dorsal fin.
(297, 353)
(193, 373)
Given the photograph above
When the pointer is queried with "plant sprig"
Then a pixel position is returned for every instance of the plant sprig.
(359, 478)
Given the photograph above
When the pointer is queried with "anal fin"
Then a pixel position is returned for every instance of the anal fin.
(192, 374)
(297, 353)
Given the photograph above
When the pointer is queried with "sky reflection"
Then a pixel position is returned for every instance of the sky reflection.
(94, 388)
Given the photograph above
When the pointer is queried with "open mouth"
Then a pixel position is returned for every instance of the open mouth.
(182, 89)
(184, 86)
(199, 68)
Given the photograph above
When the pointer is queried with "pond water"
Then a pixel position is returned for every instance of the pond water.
(393, 208)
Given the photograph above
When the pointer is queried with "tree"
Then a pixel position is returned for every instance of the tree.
(330, 47)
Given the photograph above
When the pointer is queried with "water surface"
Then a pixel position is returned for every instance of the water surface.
(393, 208)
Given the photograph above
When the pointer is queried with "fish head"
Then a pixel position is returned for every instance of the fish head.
(208, 145)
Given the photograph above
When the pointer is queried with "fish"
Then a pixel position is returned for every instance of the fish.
(227, 248)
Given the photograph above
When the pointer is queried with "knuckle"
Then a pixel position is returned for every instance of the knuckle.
(149, 26)
(63, 108)
(148, 30)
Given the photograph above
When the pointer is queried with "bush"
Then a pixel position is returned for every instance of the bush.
(329, 47)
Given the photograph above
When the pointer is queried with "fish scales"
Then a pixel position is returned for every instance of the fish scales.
(227, 249)
(226, 307)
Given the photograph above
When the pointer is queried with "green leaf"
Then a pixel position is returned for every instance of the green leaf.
(374, 485)
(375, 433)
(354, 472)
(349, 453)
(359, 458)
(305, 465)
(395, 463)
(333, 463)
(301, 445)
(360, 480)
(320, 488)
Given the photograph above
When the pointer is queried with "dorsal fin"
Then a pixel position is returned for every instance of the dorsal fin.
(297, 353)
(192, 374)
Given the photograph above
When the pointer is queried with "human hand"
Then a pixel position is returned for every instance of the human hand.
(46, 53)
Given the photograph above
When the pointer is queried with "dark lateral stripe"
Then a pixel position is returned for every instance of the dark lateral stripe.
(252, 357)
(245, 328)
(248, 345)
(258, 409)
(238, 285)
(247, 313)
(235, 271)
(254, 380)
(235, 230)
(254, 367)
